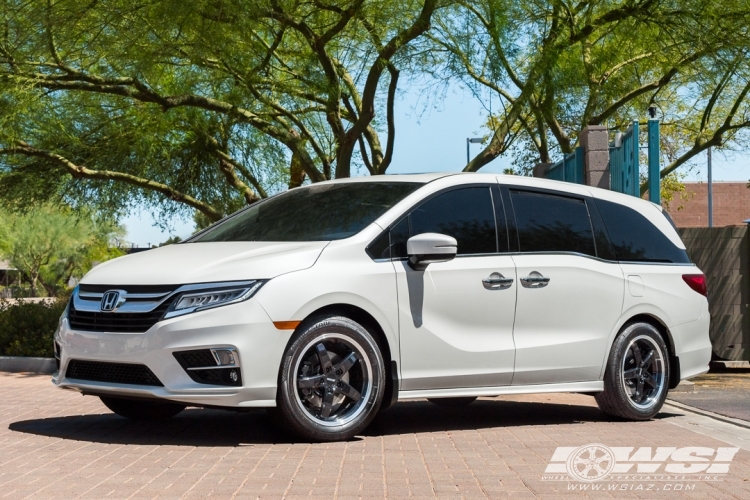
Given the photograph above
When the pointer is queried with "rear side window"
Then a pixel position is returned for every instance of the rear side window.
(635, 239)
(551, 223)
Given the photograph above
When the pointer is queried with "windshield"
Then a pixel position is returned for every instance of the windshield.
(314, 213)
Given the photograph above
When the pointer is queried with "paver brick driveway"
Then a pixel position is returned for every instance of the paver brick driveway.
(57, 444)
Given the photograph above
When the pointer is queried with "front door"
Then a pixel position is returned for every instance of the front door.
(568, 299)
(456, 318)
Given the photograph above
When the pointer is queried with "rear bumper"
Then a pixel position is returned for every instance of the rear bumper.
(245, 327)
(693, 346)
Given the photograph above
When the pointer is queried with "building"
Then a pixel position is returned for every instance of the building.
(731, 205)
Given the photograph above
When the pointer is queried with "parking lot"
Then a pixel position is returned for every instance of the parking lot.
(58, 444)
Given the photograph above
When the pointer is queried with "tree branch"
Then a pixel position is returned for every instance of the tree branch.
(654, 85)
(80, 172)
(367, 113)
(380, 169)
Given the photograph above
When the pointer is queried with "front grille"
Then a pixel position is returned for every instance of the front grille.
(115, 322)
(118, 322)
(116, 373)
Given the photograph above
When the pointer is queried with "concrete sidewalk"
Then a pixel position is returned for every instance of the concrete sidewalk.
(58, 444)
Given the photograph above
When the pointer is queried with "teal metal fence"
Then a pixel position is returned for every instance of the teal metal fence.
(654, 162)
(624, 164)
(569, 169)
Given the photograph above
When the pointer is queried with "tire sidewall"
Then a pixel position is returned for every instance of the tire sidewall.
(614, 379)
(287, 401)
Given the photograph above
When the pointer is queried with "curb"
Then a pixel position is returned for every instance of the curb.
(17, 364)
(710, 414)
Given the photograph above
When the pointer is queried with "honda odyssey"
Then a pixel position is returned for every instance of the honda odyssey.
(330, 302)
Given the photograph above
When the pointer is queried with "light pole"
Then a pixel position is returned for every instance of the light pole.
(471, 140)
(710, 191)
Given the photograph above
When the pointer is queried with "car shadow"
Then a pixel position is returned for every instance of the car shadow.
(209, 427)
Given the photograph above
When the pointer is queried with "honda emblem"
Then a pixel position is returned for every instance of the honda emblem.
(111, 300)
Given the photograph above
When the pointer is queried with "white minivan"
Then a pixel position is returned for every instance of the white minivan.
(330, 302)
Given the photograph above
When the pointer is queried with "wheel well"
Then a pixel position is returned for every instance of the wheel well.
(674, 362)
(366, 319)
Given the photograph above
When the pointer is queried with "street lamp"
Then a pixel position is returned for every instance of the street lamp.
(471, 140)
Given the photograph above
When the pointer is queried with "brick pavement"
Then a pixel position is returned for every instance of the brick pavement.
(58, 444)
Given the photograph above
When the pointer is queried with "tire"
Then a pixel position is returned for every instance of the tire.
(636, 379)
(142, 410)
(331, 381)
(459, 402)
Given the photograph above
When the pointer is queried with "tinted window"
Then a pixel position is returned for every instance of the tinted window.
(315, 213)
(634, 238)
(399, 234)
(467, 214)
(549, 223)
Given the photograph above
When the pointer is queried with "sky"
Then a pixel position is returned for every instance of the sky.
(432, 138)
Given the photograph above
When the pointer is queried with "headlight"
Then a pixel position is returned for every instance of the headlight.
(207, 299)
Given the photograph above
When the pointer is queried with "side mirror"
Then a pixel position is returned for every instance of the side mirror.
(430, 248)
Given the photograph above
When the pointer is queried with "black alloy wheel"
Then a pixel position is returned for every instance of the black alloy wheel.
(637, 374)
(332, 380)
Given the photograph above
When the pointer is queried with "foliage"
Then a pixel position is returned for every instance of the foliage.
(171, 241)
(49, 245)
(213, 104)
(555, 67)
(196, 106)
(672, 186)
(27, 329)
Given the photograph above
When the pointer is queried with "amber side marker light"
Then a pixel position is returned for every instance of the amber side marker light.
(697, 282)
(286, 325)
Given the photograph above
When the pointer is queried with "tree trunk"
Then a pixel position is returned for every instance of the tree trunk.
(32, 281)
(296, 172)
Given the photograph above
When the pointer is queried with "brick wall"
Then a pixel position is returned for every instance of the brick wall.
(731, 205)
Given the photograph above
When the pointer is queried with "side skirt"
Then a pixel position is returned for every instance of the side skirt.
(594, 386)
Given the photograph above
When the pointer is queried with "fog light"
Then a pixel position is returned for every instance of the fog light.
(224, 357)
(233, 376)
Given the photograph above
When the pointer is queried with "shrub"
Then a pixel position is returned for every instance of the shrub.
(27, 329)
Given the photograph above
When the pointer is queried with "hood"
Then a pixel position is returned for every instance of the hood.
(206, 262)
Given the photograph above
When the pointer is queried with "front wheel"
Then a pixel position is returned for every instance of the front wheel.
(332, 380)
(142, 410)
(637, 374)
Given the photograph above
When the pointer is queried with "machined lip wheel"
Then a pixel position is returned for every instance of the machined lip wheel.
(333, 380)
(643, 372)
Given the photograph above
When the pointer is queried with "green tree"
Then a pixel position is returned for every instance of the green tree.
(49, 245)
(201, 105)
(554, 66)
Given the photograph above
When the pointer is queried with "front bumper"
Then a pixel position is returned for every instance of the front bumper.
(245, 327)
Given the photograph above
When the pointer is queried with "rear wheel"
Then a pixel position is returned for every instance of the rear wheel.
(142, 410)
(637, 375)
(453, 402)
(332, 380)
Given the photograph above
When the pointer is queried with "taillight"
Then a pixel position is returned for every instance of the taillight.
(697, 282)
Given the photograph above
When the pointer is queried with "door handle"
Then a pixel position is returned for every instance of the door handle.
(534, 280)
(497, 281)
